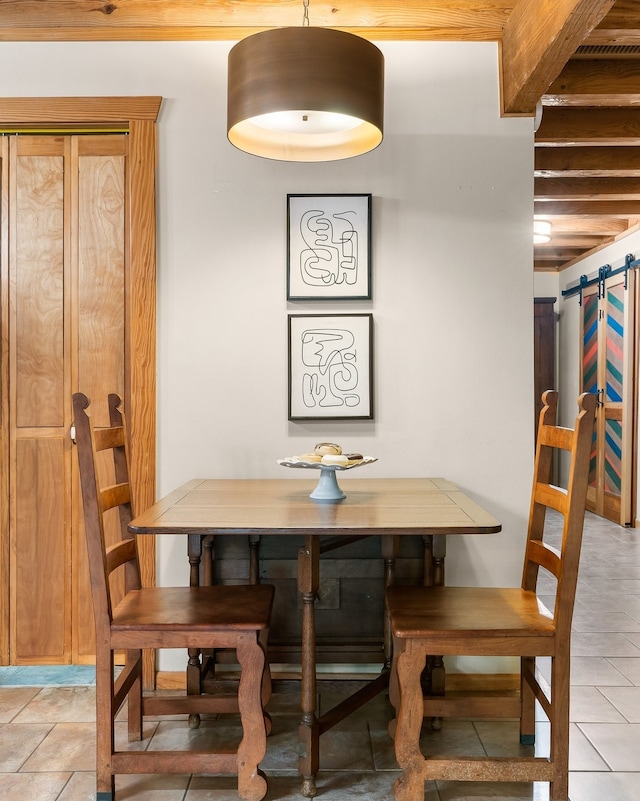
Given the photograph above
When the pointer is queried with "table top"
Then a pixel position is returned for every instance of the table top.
(282, 506)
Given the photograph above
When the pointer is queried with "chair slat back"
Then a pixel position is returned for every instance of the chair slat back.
(562, 561)
(98, 500)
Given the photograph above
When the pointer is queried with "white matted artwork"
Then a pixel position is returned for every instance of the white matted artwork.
(328, 247)
(330, 366)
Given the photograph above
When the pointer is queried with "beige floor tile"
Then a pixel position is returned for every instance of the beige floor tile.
(282, 746)
(285, 698)
(604, 786)
(629, 667)
(626, 700)
(455, 737)
(502, 738)
(68, 746)
(596, 671)
(122, 736)
(13, 700)
(60, 704)
(346, 750)
(582, 753)
(589, 705)
(612, 602)
(32, 786)
(18, 741)
(604, 587)
(177, 736)
(213, 788)
(152, 788)
(617, 744)
(490, 791)
(382, 746)
(585, 620)
(602, 644)
(80, 787)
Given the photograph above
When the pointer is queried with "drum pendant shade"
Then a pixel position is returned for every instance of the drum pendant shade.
(305, 94)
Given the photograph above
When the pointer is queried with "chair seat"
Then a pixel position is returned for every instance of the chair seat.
(469, 612)
(206, 609)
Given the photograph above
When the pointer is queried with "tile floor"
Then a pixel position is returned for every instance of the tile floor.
(47, 730)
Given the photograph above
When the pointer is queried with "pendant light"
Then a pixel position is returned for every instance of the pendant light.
(305, 94)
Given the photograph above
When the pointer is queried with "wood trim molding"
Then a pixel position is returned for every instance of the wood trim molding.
(4, 406)
(73, 111)
(140, 339)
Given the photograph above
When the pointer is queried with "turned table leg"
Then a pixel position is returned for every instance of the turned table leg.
(194, 672)
(433, 675)
(389, 555)
(308, 731)
(437, 667)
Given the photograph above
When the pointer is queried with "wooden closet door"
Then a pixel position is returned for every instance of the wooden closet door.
(66, 332)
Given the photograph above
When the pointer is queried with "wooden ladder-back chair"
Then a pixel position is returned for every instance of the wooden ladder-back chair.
(235, 617)
(487, 621)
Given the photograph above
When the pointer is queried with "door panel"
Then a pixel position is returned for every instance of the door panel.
(40, 581)
(100, 302)
(608, 353)
(38, 278)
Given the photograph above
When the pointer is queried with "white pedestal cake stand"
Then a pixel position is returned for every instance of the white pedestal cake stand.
(327, 488)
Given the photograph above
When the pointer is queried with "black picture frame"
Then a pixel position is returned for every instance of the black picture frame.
(329, 247)
(330, 366)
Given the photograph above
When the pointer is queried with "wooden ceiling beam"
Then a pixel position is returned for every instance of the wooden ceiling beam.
(539, 38)
(598, 126)
(596, 82)
(588, 226)
(587, 208)
(557, 254)
(619, 27)
(587, 162)
(581, 242)
(586, 189)
(79, 20)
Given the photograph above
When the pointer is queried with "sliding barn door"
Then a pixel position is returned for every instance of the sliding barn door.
(608, 369)
(66, 225)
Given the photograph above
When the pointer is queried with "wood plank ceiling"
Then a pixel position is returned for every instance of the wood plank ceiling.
(577, 60)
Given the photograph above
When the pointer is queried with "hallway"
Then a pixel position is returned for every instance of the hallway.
(47, 730)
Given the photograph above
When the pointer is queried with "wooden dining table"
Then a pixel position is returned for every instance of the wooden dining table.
(432, 508)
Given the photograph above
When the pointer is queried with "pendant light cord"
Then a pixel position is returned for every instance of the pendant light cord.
(305, 13)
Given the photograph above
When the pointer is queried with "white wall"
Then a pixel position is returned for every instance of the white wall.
(452, 281)
(546, 285)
